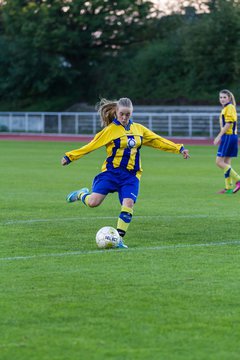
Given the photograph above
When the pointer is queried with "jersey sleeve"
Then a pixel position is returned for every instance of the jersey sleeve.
(230, 114)
(155, 141)
(99, 140)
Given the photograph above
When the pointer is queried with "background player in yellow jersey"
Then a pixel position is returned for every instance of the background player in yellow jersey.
(121, 171)
(228, 140)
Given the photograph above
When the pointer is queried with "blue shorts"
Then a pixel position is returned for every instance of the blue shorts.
(228, 146)
(117, 180)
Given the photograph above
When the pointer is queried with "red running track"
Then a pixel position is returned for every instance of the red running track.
(87, 138)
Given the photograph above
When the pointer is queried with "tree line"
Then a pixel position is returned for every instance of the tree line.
(57, 52)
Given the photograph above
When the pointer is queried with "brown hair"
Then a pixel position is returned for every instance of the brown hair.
(107, 109)
(230, 95)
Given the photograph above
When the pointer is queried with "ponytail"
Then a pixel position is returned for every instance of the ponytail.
(107, 109)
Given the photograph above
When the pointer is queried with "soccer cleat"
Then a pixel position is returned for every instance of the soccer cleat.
(121, 245)
(225, 191)
(237, 187)
(76, 195)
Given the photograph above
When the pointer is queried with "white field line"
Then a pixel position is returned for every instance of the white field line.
(139, 249)
(91, 218)
(12, 345)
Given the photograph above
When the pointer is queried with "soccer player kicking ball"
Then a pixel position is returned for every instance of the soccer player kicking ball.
(121, 171)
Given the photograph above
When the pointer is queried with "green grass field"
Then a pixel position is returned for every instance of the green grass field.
(174, 294)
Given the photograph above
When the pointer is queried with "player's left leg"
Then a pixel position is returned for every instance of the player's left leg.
(125, 216)
(128, 194)
(124, 219)
(227, 175)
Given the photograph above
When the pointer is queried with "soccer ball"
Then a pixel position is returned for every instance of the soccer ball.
(107, 238)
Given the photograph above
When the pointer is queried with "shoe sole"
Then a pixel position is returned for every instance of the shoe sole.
(122, 247)
(77, 192)
(68, 198)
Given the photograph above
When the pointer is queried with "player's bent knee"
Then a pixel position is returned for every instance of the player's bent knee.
(93, 203)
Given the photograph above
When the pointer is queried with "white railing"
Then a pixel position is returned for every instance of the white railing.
(187, 124)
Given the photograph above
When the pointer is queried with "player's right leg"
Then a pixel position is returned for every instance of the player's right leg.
(76, 195)
(100, 188)
(93, 199)
(87, 198)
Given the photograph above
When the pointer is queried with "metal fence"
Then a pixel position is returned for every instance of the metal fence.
(187, 124)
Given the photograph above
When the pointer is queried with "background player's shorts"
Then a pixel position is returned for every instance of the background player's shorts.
(228, 146)
(117, 180)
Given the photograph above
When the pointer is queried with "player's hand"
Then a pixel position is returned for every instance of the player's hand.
(64, 161)
(216, 140)
(185, 154)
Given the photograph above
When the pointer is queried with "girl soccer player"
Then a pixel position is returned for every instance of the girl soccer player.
(121, 171)
(228, 140)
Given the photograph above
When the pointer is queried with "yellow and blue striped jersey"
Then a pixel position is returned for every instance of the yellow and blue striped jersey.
(229, 115)
(123, 146)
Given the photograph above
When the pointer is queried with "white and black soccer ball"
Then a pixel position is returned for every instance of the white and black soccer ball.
(107, 238)
(131, 143)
